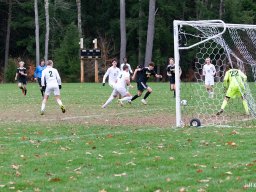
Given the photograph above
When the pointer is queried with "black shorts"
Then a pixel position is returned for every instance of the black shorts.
(23, 81)
(172, 80)
(141, 86)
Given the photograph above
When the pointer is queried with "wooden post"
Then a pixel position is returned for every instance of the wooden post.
(81, 61)
(96, 63)
(82, 70)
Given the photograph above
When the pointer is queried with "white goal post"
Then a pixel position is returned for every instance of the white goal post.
(226, 43)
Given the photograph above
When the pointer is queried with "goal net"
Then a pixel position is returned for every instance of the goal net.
(224, 44)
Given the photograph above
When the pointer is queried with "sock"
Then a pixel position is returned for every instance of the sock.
(174, 93)
(43, 105)
(128, 98)
(146, 95)
(245, 106)
(225, 102)
(59, 102)
(110, 99)
(135, 97)
(42, 92)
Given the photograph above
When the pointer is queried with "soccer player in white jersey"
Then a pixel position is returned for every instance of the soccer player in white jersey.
(112, 74)
(125, 63)
(209, 72)
(51, 83)
(120, 87)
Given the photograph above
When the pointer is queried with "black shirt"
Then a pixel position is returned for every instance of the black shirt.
(171, 70)
(20, 76)
(144, 74)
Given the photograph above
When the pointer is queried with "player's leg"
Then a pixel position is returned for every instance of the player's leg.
(126, 96)
(172, 86)
(111, 98)
(56, 92)
(231, 92)
(245, 104)
(25, 87)
(40, 85)
(20, 85)
(44, 103)
(140, 88)
(149, 91)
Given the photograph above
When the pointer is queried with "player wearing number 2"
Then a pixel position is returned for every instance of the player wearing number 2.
(234, 82)
(51, 77)
(208, 72)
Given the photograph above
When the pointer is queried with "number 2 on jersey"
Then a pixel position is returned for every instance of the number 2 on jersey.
(50, 72)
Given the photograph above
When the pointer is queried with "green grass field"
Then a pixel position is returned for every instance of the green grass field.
(130, 148)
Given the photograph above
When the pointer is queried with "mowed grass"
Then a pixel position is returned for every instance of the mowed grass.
(130, 148)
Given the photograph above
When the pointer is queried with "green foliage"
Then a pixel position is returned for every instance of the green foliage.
(66, 57)
(10, 71)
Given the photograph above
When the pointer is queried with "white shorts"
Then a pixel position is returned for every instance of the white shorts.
(55, 90)
(209, 81)
(112, 84)
(119, 90)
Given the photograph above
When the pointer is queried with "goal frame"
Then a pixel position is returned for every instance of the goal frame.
(177, 48)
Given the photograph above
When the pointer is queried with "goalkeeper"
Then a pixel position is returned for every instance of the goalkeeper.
(234, 84)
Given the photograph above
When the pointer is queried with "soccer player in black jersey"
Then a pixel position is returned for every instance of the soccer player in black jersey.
(171, 74)
(143, 76)
(21, 76)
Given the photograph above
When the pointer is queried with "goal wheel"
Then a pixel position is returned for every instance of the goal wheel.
(195, 123)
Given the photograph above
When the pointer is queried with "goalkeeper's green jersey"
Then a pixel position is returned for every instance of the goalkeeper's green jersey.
(234, 78)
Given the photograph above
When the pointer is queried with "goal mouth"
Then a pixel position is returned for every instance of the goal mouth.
(223, 44)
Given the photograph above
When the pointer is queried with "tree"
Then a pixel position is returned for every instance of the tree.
(37, 33)
(79, 20)
(122, 30)
(7, 42)
(46, 6)
(150, 33)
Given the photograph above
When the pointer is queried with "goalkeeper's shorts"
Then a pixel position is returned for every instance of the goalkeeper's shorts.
(233, 92)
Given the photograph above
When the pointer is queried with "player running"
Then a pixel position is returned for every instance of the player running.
(38, 74)
(51, 77)
(120, 87)
(171, 74)
(21, 76)
(143, 76)
(112, 74)
(125, 63)
(234, 83)
(209, 72)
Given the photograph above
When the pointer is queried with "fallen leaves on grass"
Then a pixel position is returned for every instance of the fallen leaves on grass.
(182, 189)
(120, 175)
(199, 170)
(228, 173)
(102, 190)
(171, 158)
(37, 190)
(55, 179)
(231, 143)
(234, 132)
(203, 180)
(16, 167)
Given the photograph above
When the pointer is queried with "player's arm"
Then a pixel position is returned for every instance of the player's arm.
(158, 76)
(214, 71)
(105, 76)
(226, 80)
(180, 71)
(135, 72)
(43, 79)
(58, 78)
(25, 73)
(244, 77)
(168, 71)
(204, 71)
(130, 69)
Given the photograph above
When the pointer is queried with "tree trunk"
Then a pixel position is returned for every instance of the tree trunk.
(140, 55)
(122, 30)
(47, 29)
(221, 9)
(79, 20)
(37, 32)
(150, 33)
(8, 32)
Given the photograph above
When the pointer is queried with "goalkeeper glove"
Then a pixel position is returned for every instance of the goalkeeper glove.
(59, 86)
(103, 84)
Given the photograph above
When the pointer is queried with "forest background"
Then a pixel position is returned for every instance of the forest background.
(142, 30)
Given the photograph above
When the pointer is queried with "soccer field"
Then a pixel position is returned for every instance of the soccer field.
(130, 148)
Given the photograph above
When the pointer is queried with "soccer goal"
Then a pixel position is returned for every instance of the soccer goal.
(194, 41)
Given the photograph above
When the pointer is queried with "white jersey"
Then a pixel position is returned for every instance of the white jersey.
(112, 74)
(51, 76)
(129, 66)
(122, 78)
(209, 71)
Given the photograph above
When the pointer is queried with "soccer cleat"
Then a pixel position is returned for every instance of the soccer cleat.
(144, 101)
(63, 109)
(220, 111)
(42, 112)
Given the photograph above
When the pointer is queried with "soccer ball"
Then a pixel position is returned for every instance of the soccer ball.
(183, 102)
